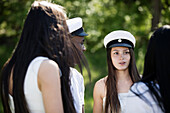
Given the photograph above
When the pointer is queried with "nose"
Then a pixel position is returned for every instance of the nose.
(122, 56)
(83, 48)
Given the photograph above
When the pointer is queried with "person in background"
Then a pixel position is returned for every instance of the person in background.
(36, 79)
(152, 93)
(110, 92)
(75, 26)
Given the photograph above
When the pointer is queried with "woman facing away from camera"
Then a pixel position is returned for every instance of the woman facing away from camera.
(110, 92)
(36, 79)
(153, 90)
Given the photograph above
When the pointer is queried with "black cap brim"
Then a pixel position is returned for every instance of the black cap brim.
(82, 34)
(79, 32)
(120, 45)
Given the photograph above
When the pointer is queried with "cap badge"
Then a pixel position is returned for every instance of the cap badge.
(119, 40)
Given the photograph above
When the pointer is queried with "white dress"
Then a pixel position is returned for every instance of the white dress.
(34, 96)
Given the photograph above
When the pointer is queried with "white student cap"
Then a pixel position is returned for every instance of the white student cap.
(119, 38)
(75, 26)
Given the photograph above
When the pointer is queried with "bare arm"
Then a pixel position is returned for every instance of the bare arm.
(49, 84)
(97, 97)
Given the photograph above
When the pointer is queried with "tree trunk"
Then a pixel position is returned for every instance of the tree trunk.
(156, 13)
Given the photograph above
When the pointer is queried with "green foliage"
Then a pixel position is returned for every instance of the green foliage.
(165, 12)
(100, 17)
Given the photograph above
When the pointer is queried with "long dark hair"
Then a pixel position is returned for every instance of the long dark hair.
(156, 67)
(112, 102)
(45, 33)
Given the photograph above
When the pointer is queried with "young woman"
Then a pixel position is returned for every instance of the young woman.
(111, 91)
(153, 91)
(36, 79)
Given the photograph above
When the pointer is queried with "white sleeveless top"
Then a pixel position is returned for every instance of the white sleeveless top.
(122, 98)
(34, 96)
(32, 93)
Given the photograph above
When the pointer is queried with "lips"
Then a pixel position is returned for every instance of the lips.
(122, 63)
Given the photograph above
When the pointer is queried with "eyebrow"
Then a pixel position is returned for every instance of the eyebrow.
(118, 50)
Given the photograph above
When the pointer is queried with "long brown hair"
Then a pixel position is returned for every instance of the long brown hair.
(45, 33)
(112, 102)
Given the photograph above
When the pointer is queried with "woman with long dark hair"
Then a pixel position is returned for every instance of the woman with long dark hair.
(111, 91)
(153, 91)
(36, 79)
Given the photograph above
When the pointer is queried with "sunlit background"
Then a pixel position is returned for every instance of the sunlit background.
(100, 17)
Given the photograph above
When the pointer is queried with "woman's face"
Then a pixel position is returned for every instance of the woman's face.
(120, 57)
(79, 43)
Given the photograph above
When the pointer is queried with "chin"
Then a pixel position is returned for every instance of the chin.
(122, 69)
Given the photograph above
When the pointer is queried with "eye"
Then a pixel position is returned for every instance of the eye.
(115, 53)
(127, 52)
(82, 43)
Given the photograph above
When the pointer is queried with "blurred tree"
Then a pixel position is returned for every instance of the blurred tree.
(13, 13)
(156, 12)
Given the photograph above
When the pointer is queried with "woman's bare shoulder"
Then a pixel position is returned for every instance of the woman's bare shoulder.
(48, 73)
(101, 82)
(100, 86)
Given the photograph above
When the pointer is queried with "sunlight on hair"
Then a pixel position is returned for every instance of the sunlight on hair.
(49, 4)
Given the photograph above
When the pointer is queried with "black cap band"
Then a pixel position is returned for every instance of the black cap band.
(120, 43)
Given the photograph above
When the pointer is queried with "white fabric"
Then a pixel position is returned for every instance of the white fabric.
(32, 93)
(11, 103)
(130, 103)
(77, 89)
(137, 105)
(34, 96)
(122, 98)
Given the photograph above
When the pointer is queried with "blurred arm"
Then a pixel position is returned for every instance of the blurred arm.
(98, 102)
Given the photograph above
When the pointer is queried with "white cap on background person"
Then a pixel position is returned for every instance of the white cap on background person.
(75, 26)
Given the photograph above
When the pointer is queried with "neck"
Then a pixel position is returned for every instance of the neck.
(123, 75)
(123, 81)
